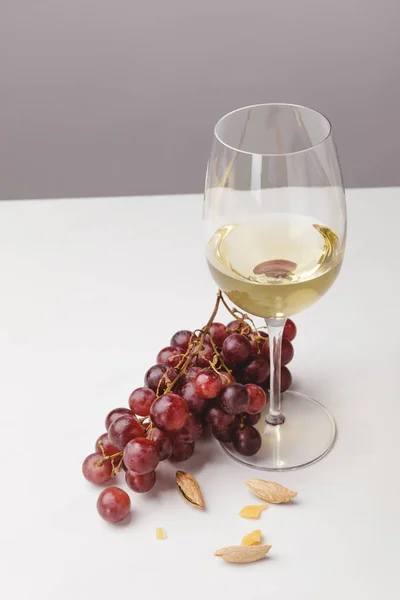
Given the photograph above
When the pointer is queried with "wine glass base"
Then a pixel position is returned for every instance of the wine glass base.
(306, 436)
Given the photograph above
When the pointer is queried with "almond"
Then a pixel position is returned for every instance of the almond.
(189, 489)
(242, 554)
(270, 491)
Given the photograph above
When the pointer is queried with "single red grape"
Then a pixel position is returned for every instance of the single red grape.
(190, 432)
(218, 418)
(115, 414)
(254, 345)
(113, 504)
(141, 455)
(208, 384)
(290, 330)
(141, 400)
(236, 349)
(205, 356)
(238, 327)
(169, 412)
(140, 483)
(234, 398)
(190, 375)
(223, 435)
(251, 419)
(96, 470)
(182, 451)
(195, 402)
(226, 435)
(287, 351)
(158, 377)
(108, 447)
(286, 379)
(163, 443)
(226, 378)
(247, 441)
(123, 430)
(181, 339)
(218, 333)
(258, 399)
(171, 355)
(255, 371)
(257, 338)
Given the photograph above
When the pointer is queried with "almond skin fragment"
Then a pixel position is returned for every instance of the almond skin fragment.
(189, 489)
(270, 491)
(252, 539)
(252, 512)
(160, 533)
(242, 554)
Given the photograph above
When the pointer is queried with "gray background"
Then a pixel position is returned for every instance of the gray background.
(113, 97)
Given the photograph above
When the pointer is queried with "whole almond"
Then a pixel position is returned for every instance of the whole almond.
(189, 489)
(270, 491)
(243, 554)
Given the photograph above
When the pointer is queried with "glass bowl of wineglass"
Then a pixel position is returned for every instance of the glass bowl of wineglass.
(275, 219)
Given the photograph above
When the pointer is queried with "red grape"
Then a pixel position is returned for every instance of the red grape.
(123, 430)
(247, 441)
(238, 327)
(113, 504)
(171, 355)
(140, 483)
(257, 338)
(182, 339)
(225, 435)
(109, 449)
(287, 351)
(141, 455)
(251, 419)
(219, 418)
(208, 384)
(218, 333)
(258, 399)
(190, 432)
(226, 378)
(141, 400)
(290, 330)
(195, 402)
(205, 356)
(96, 470)
(155, 374)
(255, 371)
(286, 379)
(182, 451)
(115, 414)
(190, 375)
(234, 398)
(236, 349)
(163, 443)
(254, 345)
(169, 412)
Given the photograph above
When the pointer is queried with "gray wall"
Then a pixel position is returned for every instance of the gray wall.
(109, 97)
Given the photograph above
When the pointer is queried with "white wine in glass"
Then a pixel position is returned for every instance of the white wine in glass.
(276, 228)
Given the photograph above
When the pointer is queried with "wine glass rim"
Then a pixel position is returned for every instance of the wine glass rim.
(300, 106)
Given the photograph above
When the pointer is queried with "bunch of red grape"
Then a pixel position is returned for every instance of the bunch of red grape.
(217, 376)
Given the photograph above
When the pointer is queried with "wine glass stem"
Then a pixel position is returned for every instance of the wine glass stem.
(275, 332)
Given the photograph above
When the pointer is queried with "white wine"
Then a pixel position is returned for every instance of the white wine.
(275, 266)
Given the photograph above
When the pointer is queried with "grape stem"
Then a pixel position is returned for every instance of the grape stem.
(112, 457)
(197, 346)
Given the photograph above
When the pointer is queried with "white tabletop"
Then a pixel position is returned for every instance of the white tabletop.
(91, 289)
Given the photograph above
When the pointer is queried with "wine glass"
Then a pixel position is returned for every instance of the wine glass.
(275, 216)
